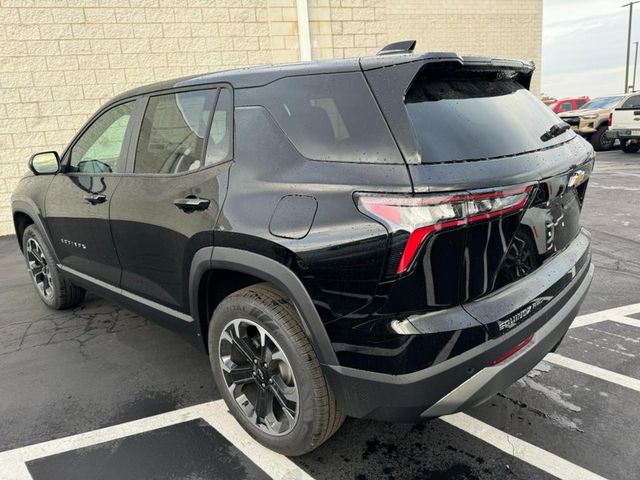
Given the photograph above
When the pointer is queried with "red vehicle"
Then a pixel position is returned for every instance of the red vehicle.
(567, 104)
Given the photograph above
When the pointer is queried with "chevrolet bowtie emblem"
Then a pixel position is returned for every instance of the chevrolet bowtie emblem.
(577, 178)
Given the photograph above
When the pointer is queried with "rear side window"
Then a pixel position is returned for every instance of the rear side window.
(220, 138)
(173, 131)
(472, 115)
(331, 117)
(632, 102)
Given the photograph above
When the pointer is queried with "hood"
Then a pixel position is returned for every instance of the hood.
(582, 113)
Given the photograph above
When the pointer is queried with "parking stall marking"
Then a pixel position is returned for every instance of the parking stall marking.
(13, 462)
(618, 314)
(593, 371)
(517, 448)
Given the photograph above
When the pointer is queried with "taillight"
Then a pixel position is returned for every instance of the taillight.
(610, 118)
(421, 216)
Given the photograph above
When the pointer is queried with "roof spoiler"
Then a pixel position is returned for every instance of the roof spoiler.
(405, 46)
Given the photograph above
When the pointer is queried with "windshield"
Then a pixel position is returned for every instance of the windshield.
(602, 102)
(472, 115)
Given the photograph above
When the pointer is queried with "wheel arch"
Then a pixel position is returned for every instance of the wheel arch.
(240, 268)
(25, 213)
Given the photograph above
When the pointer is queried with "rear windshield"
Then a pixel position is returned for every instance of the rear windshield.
(331, 117)
(463, 115)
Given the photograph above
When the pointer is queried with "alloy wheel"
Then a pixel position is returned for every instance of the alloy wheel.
(606, 142)
(38, 268)
(259, 376)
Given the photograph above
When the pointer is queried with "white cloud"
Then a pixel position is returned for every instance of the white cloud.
(584, 46)
(594, 83)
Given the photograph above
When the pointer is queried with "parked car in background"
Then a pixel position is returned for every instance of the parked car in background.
(567, 104)
(592, 120)
(624, 124)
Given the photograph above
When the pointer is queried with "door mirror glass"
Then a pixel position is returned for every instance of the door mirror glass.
(45, 163)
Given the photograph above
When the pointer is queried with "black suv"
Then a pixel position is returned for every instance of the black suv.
(395, 237)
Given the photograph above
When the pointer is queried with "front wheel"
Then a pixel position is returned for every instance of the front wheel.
(267, 372)
(52, 288)
(600, 141)
(630, 147)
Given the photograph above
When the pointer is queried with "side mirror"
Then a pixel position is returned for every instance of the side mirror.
(45, 163)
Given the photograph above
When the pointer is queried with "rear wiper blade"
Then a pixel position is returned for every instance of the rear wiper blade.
(554, 131)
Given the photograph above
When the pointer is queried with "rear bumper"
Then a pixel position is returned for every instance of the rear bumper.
(623, 134)
(467, 379)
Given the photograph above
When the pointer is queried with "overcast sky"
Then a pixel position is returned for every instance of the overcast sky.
(584, 47)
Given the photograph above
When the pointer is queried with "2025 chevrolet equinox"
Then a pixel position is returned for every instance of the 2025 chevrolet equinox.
(394, 237)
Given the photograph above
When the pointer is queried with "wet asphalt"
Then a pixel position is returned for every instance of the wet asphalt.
(69, 372)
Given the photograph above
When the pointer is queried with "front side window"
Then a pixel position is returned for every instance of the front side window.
(565, 107)
(101, 145)
(173, 131)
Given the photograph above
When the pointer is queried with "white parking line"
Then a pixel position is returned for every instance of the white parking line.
(632, 322)
(12, 462)
(613, 314)
(535, 456)
(592, 370)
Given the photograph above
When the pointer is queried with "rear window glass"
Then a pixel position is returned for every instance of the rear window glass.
(467, 115)
(632, 102)
(331, 117)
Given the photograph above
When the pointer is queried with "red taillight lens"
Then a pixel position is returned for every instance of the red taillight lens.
(423, 215)
(610, 118)
(512, 351)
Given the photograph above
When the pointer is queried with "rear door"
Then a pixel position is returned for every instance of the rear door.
(627, 116)
(78, 200)
(168, 201)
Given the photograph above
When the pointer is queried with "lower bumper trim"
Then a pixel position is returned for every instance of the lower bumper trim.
(492, 379)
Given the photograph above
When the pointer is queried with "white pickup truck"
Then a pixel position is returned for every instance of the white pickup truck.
(624, 124)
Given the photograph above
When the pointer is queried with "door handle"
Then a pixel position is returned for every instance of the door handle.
(95, 198)
(191, 204)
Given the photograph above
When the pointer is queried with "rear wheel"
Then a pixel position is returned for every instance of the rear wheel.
(54, 290)
(268, 374)
(630, 147)
(600, 141)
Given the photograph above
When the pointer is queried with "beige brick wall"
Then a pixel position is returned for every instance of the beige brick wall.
(61, 59)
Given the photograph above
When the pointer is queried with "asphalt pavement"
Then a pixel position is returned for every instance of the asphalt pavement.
(98, 392)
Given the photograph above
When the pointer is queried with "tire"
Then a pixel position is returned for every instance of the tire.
(629, 147)
(53, 289)
(600, 141)
(244, 313)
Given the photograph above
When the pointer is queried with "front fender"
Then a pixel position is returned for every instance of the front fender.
(26, 206)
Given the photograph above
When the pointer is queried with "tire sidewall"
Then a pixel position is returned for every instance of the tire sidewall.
(299, 439)
(597, 140)
(56, 282)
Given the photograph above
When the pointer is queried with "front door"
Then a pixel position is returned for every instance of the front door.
(167, 204)
(78, 200)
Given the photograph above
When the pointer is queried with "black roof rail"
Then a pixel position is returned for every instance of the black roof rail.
(405, 46)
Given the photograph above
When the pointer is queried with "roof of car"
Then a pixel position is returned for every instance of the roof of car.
(257, 76)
